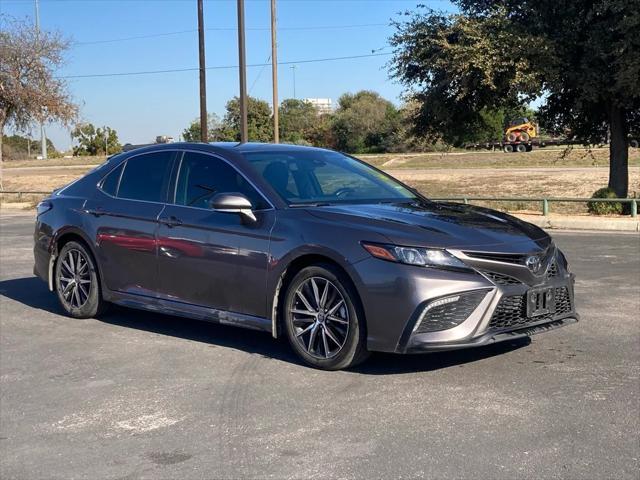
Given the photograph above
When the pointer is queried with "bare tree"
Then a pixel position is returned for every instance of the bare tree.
(29, 89)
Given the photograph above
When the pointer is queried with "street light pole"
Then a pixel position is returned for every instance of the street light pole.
(244, 130)
(293, 69)
(43, 139)
(274, 74)
(204, 134)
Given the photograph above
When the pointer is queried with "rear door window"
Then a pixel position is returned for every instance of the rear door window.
(145, 177)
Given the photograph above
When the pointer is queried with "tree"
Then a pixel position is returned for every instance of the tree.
(297, 120)
(17, 146)
(91, 140)
(364, 122)
(581, 58)
(29, 90)
(192, 132)
(260, 127)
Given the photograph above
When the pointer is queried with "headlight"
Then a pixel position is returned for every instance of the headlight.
(423, 257)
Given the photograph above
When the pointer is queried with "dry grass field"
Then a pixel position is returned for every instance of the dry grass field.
(541, 173)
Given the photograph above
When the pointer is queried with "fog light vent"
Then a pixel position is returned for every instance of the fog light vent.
(448, 312)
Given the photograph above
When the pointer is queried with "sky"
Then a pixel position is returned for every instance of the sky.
(140, 107)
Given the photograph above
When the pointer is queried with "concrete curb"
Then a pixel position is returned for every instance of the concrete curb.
(561, 222)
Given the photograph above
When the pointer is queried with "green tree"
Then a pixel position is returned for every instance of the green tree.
(29, 90)
(297, 120)
(95, 141)
(192, 132)
(18, 147)
(365, 122)
(581, 58)
(260, 126)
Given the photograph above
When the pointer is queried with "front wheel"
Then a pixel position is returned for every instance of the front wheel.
(324, 323)
(77, 283)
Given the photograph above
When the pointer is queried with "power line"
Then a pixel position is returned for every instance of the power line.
(222, 67)
(229, 29)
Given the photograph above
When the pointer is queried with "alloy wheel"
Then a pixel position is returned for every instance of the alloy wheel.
(74, 281)
(320, 318)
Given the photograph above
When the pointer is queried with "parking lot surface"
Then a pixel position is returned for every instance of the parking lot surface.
(141, 395)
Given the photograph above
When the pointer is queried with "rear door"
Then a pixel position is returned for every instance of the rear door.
(209, 258)
(125, 219)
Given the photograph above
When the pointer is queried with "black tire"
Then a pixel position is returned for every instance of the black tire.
(346, 325)
(75, 266)
(508, 148)
(634, 143)
(521, 148)
(524, 137)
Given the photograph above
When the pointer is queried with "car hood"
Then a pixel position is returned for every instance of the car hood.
(441, 225)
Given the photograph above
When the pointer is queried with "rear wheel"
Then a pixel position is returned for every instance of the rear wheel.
(508, 148)
(76, 281)
(324, 323)
(512, 137)
(521, 148)
(524, 136)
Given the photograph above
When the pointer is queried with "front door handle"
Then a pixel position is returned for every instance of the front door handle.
(96, 212)
(170, 221)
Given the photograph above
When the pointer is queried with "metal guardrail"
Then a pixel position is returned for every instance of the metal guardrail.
(544, 201)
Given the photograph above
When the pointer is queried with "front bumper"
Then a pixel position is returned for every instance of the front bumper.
(492, 306)
(502, 314)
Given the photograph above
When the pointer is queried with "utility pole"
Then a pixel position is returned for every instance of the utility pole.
(293, 69)
(274, 74)
(244, 129)
(204, 134)
(43, 139)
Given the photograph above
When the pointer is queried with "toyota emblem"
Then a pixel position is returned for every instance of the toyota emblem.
(533, 263)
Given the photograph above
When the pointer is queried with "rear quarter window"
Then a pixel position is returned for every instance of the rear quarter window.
(109, 184)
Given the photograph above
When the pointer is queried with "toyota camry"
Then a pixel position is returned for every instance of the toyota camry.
(305, 243)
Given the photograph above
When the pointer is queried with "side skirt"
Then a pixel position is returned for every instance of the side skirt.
(186, 310)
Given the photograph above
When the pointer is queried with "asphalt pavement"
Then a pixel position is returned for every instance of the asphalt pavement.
(141, 395)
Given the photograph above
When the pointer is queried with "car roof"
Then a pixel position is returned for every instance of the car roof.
(235, 147)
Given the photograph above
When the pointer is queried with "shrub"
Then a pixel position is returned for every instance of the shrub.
(605, 208)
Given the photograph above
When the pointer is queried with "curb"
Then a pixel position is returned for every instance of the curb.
(583, 223)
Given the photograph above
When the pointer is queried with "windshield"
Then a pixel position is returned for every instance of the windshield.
(322, 176)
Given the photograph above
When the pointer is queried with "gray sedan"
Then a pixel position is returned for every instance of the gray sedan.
(299, 242)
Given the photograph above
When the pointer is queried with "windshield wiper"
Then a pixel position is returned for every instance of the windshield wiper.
(309, 204)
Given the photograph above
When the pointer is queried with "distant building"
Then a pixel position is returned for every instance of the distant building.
(323, 105)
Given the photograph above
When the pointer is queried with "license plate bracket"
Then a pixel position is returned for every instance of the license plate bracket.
(541, 301)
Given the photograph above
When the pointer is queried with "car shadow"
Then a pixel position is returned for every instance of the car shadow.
(33, 293)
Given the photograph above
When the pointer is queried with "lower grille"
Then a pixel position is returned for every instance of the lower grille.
(449, 312)
(512, 310)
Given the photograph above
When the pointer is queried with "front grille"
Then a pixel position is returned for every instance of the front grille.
(449, 312)
(501, 279)
(511, 311)
(498, 257)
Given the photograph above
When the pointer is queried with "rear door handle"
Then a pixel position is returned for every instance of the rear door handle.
(170, 221)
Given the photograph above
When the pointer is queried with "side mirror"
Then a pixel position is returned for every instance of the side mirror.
(232, 203)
